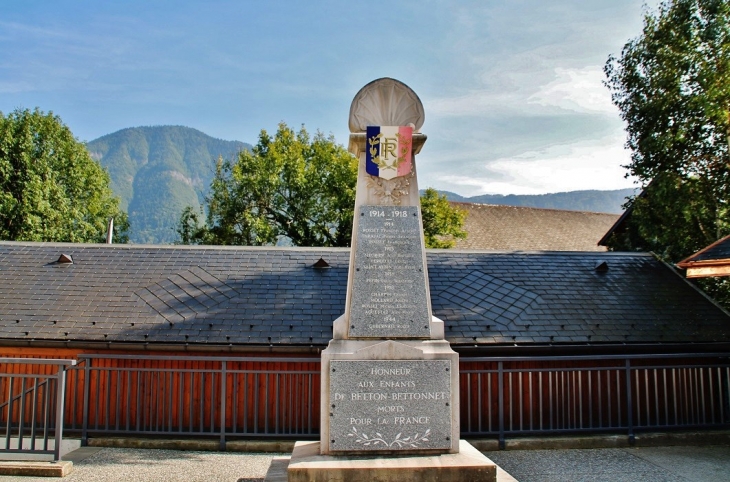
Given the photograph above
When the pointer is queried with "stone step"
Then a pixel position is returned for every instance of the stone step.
(468, 465)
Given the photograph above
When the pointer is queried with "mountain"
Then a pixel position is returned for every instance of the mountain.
(157, 172)
(589, 201)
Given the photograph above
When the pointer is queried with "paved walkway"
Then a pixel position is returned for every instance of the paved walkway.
(645, 464)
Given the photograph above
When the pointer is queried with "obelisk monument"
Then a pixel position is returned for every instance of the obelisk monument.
(390, 380)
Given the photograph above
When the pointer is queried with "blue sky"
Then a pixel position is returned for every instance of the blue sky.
(512, 89)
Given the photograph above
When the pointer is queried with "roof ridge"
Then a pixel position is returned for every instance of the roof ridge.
(545, 252)
(535, 208)
(169, 246)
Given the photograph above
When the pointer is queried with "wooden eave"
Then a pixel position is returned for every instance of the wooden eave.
(706, 269)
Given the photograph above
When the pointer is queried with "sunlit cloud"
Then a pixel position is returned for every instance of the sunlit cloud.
(579, 90)
(582, 165)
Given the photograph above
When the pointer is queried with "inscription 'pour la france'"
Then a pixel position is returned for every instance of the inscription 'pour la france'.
(395, 404)
(389, 297)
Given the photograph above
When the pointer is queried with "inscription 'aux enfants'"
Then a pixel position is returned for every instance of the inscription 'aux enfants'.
(388, 398)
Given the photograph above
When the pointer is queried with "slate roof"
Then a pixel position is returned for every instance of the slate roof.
(493, 227)
(716, 252)
(272, 296)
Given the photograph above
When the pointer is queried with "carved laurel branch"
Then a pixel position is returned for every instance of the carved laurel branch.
(411, 441)
(389, 192)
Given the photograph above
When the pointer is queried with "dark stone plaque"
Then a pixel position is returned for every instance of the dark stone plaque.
(389, 296)
(394, 405)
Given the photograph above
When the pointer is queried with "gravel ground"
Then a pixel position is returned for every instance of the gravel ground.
(636, 464)
(645, 464)
(139, 465)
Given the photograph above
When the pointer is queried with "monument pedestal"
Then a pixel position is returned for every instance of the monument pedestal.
(468, 465)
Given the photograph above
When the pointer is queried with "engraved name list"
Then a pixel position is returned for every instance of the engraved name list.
(389, 285)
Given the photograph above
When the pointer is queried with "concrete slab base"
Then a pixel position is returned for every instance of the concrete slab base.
(80, 454)
(307, 465)
(258, 446)
(67, 445)
(37, 469)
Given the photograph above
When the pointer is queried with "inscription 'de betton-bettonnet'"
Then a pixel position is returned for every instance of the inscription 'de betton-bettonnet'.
(393, 405)
(389, 295)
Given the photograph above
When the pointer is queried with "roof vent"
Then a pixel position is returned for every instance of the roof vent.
(65, 259)
(601, 267)
(321, 264)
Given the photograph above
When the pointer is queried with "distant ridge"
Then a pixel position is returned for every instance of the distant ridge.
(157, 171)
(589, 201)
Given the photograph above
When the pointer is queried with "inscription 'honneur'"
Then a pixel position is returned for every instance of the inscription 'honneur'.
(390, 404)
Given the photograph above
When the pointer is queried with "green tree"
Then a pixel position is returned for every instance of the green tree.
(296, 187)
(672, 86)
(50, 187)
(289, 185)
(442, 223)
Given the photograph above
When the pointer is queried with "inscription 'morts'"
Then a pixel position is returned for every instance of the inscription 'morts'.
(390, 405)
(389, 296)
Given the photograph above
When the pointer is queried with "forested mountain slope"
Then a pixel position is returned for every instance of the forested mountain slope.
(157, 172)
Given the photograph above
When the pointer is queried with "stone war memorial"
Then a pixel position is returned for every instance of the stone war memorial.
(390, 380)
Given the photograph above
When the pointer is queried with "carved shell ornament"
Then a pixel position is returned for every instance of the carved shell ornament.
(386, 102)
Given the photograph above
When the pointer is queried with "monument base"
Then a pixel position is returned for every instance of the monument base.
(469, 465)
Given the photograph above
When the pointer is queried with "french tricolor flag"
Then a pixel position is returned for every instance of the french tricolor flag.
(388, 151)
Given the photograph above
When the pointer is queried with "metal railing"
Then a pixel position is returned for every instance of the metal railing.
(588, 394)
(228, 397)
(207, 396)
(32, 407)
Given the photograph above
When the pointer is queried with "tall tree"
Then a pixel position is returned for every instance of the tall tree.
(50, 187)
(442, 223)
(295, 187)
(672, 86)
(289, 185)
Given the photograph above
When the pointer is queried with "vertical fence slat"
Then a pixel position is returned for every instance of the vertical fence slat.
(8, 425)
(224, 376)
(60, 386)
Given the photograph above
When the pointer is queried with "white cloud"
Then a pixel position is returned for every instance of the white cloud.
(577, 166)
(579, 90)
(475, 103)
(570, 89)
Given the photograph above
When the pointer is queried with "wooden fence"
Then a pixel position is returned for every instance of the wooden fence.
(253, 397)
